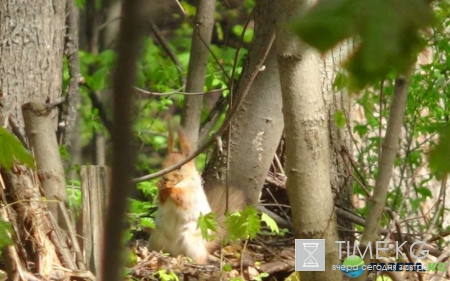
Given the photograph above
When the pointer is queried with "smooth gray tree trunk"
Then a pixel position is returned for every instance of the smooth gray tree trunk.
(257, 128)
(307, 141)
(201, 38)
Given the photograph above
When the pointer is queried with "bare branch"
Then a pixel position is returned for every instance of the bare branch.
(177, 92)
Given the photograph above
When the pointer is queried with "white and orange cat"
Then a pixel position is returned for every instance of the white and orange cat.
(181, 201)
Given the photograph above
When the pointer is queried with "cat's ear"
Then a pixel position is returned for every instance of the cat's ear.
(185, 144)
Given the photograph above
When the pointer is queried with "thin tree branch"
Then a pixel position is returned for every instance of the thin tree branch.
(108, 22)
(169, 52)
(211, 120)
(380, 123)
(97, 104)
(386, 163)
(142, 91)
(16, 131)
(233, 73)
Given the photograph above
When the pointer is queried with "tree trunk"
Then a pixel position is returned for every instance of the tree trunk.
(123, 159)
(192, 109)
(340, 138)
(307, 141)
(42, 139)
(257, 128)
(32, 36)
(31, 64)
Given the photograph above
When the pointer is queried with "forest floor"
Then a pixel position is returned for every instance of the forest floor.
(253, 261)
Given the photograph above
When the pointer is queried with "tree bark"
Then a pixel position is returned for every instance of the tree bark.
(94, 188)
(201, 38)
(340, 138)
(307, 141)
(31, 52)
(257, 128)
(32, 36)
(70, 112)
(42, 138)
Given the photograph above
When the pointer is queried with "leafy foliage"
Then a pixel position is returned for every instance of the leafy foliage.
(388, 35)
(163, 275)
(426, 117)
(270, 223)
(74, 196)
(11, 150)
(387, 32)
(243, 224)
(5, 234)
(207, 224)
(157, 72)
(440, 155)
(339, 118)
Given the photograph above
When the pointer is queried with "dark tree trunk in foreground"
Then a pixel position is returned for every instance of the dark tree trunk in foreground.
(128, 48)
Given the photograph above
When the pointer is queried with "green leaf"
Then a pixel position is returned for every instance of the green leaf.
(207, 223)
(339, 118)
(388, 33)
(107, 58)
(164, 276)
(340, 82)
(149, 188)
(5, 234)
(270, 223)
(11, 149)
(243, 224)
(440, 155)
(425, 192)
(99, 80)
(327, 24)
(238, 29)
(227, 267)
(415, 204)
(148, 222)
(362, 130)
